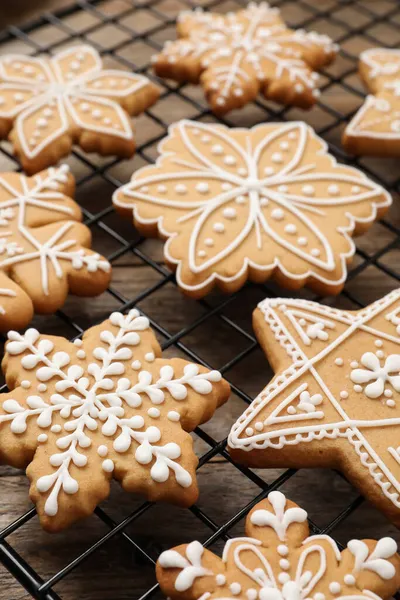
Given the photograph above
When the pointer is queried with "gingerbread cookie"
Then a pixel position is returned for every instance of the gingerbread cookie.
(49, 104)
(375, 129)
(106, 406)
(237, 56)
(278, 560)
(335, 398)
(43, 249)
(238, 204)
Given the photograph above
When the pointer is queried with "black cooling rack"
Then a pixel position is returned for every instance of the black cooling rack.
(355, 25)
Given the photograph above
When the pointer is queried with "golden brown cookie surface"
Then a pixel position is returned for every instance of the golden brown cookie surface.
(334, 401)
(260, 203)
(278, 560)
(239, 55)
(375, 129)
(106, 406)
(49, 104)
(44, 250)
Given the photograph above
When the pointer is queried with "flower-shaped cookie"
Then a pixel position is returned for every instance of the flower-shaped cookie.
(237, 204)
(279, 561)
(43, 249)
(375, 129)
(335, 399)
(48, 104)
(108, 406)
(239, 55)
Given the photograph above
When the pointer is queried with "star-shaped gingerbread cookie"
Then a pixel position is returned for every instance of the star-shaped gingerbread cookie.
(106, 406)
(279, 560)
(49, 104)
(375, 129)
(43, 247)
(260, 203)
(237, 56)
(335, 398)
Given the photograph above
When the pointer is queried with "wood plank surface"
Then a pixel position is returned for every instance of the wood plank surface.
(116, 571)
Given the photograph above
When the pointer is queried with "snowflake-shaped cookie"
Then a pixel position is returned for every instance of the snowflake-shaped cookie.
(375, 129)
(335, 398)
(48, 104)
(43, 249)
(277, 560)
(239, 55)
(108, 406)
(239, 204)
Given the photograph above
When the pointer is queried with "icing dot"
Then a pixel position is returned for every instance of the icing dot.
(220, 579)
(136, 365)
(378, 343)
(264, 202)
(249, 431)
(354, 364)
(173, 415)
(42, 438)
(302, 241)
(284, 146)
(319, 596)
(333, 190)
(55, 428)
(283, 550)
(299, 88)
(48, 112)
(390, 403)
(291, 410)
(315, 252)
(81, 354)
(149, 356)
(235, 588)
(226, 187)
(209, 242)
(284, 564)
(42, 387)
(42, 123)
(259, 426)
(96, 113)
(277, 214)
(380, 353)
(282, 188)
(25, 384)
(153, 412)
(161, 189)
(357, 388)
(202, 254)
(229, 213)
(240, 200)
(283, 578)
(78, 342)
(349, 579)
(102, 450)
(388, 393)
(269, 171)
(242, 171)
(219, 227)
(292, 135)
(75, 66)
(344, 395)
(302, 322)
(217, 149)
(252, 594)
(202, 188)
(291, 228)
(339, 361)
(238, 92)
(205, 139)
(277, 158)
(220, 101)
(107, 121)
(355, 189)
(335, 587)
(308, 190)
(229, 160)
(108, 465)
(181, 188)
(84, 107)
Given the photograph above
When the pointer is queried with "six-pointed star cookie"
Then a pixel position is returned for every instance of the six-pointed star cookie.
(43, 249)
(335, 398)
(375, 129)
(237, 204)
(106, 407)
(239, 55)
(278, 560)
(48, 104)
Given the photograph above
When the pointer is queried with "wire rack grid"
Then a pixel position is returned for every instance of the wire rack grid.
(355, 24)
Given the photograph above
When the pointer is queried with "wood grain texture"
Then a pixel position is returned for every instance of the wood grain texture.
(116, 571)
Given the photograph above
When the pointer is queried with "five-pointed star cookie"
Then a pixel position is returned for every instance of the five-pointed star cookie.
(335, 398)
(278, 560)
(108, 406)
(375, 129)
(238, 204)
(239, 55)
(49, 104)
(43, 249)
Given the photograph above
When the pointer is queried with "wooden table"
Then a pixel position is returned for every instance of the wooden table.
(113, 572)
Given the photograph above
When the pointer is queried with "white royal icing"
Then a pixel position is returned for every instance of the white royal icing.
(335, 416)
(105, 403)
(266, 199)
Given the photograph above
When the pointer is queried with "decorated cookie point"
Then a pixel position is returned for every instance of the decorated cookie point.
(260, 203)
(278, 560)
